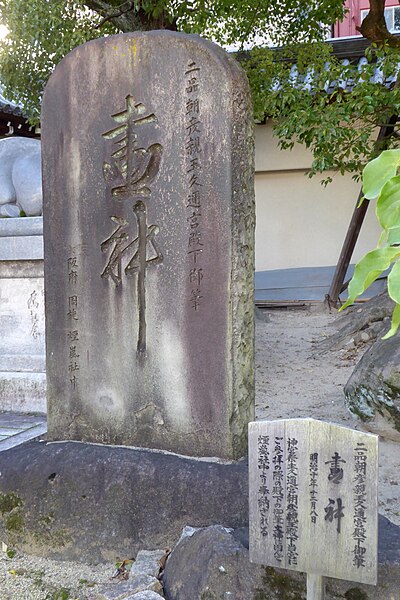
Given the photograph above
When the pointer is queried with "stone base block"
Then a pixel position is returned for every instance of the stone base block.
(91, 503)
(23, 392)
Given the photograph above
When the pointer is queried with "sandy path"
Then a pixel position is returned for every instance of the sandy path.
(291, 381)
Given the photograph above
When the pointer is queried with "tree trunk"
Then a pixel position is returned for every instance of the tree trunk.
(128, 18)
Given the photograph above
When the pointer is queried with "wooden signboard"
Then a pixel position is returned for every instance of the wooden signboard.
(313, 499)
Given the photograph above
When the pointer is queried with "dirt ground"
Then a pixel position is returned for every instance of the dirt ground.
(294, 380)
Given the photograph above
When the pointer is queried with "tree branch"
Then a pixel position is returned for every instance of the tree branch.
(129, 18)
(374, 26)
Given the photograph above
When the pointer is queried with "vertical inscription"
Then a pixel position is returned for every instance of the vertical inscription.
(313, 485)
(129, 173)
(193, 148)
(279, 498)
(33, 305)
(313, 471)
(292, 501)
(73, 319)
(263, 465)
(334, 510)
(360, 506)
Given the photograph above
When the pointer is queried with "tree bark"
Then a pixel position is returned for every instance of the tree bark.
(128, 18)
(374, 26)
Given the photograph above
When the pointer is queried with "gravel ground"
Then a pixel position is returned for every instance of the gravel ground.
(290, 382)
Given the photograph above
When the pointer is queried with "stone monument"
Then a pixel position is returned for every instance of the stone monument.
(148, 169)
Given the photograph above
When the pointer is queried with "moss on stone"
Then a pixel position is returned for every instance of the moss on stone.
(284, 587)
(8, 502)
(14, 522)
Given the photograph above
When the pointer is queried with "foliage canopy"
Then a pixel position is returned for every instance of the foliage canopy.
(336, 124)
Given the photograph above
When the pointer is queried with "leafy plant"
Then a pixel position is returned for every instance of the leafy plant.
(381, 181)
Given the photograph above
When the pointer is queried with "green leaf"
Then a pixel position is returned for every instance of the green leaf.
(393, 236)
(394, 282)
(368, 269)
(395, 322)
(379, 171)
(388, 204)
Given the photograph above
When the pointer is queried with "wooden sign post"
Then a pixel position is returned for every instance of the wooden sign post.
(313, 500)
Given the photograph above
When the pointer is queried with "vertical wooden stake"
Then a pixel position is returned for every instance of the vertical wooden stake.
(315, 587)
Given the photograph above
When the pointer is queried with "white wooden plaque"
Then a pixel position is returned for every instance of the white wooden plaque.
(313, 498)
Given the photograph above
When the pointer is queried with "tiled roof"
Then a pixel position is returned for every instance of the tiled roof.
(9, 107)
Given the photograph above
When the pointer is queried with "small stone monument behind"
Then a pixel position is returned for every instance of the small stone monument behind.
(313, 500)
(148, 222)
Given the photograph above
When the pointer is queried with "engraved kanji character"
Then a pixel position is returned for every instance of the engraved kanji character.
(193, 86)
(195, 276)
(194, 199)
(194, 219)
(73, 366)
(134, 166)
(194, 181)
(194, 165)
(195, 297)
(72, 262)
(118, 238)
(191, 68)
(72, 352)
(192, 106)
(72, 336)
(193, 126)
(193, 146)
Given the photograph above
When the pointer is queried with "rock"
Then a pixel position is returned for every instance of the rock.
(364, 336)
(211, 564)
(121, 590)
(148, 562)
(106, 502)
(21, 175)
(146, 595)
(373, 390)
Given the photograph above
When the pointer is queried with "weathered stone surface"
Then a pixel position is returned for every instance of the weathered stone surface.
(146, 595)
(93, 503)
(148, 562)
(373, 390)
(158, 237)
(20, 176)
(214, 564)
(120, 590)
(211, 564)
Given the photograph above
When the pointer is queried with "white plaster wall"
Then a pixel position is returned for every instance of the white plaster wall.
(299, 222)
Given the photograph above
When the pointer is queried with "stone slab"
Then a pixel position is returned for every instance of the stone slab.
(107, 503)
(21, 226)
(21, 269)
(33, 433)
(149, 218)
(19, 247)
(23, 392)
